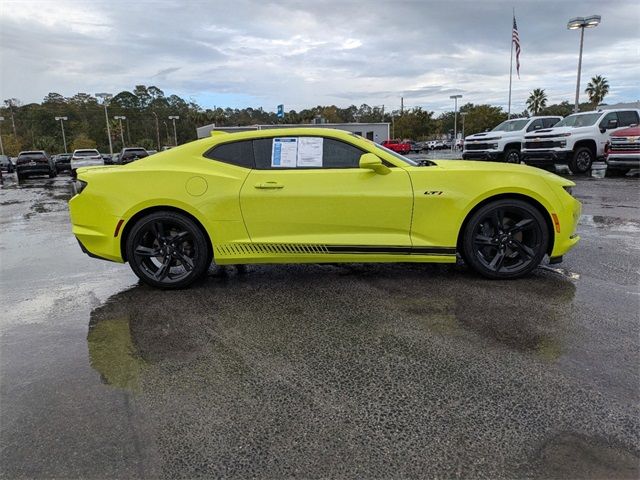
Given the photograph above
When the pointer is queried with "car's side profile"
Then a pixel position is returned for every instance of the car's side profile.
(307, 195)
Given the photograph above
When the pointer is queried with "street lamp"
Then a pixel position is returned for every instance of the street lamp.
(581, 23)
(64, 139)
(1, 145)
(121, 117)
(105, 100)
(175, 135)
(455, 119)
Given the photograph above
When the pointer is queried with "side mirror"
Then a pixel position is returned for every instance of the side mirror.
(371, 161)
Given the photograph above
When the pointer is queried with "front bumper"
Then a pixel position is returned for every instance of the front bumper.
(623, 161)
(568, 218)
(481, 155)
(544, 156)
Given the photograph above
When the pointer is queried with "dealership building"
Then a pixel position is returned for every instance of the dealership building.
(377, 132)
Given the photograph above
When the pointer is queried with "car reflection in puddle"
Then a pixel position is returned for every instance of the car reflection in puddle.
(299, 316)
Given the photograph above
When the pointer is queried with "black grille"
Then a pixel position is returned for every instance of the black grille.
(545, 144)
(476, 146)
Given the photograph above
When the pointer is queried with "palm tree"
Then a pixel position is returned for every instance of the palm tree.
(597, 89)
(537, 100)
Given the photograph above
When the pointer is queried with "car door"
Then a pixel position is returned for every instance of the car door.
(324, 198)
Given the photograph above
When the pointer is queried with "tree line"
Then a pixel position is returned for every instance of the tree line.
(146, 123)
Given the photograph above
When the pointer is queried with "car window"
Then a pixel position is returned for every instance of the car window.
(549, 122)
(627, 118)
(235, 153)
(335, 154)
(607, 118)
(535, 125)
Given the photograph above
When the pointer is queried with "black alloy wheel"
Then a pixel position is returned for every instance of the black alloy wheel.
(505, 239)
(512, 156)
(581, 161)
(167, 250)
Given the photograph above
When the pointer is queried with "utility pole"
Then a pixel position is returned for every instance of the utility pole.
(13, 122)
(401, 106)
(1, 145)
(157, 129)
(105, 99)
(173, 118)
(455, 119)
(64, 139)
(128, 133)
(120, 118)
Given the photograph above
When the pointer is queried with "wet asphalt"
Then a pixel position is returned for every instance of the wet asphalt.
(334, 371)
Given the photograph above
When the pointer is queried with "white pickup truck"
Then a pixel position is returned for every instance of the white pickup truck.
(578, 139)
(503, 143)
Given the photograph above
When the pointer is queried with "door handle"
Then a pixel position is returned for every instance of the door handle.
(269, 186)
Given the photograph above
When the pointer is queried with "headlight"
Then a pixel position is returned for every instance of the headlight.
(78, 186)
(563, 143)
(493, 146)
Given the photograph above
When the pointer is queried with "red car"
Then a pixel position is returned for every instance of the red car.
(397, 146)
(622, 151)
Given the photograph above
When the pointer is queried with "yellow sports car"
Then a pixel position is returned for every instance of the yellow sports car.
(312, 195)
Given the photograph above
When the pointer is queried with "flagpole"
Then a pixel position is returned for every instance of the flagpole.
(511, 65)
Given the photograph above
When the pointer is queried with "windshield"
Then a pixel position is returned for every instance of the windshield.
(511, 125)
(579, 120)
(404, 159)
(86, 153)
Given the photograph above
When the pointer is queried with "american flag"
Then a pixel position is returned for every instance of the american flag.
(515, 38)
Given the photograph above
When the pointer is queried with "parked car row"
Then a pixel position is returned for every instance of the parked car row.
(577, 140)
(38, 162)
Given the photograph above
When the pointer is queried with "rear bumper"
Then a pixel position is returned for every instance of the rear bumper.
(544, 156)
(43, 169)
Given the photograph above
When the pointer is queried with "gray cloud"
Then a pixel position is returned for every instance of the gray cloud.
(308, 53)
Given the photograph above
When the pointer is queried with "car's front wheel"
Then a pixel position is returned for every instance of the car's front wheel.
(512, 156)
(581, 161)
(167, 250)
(505, 239)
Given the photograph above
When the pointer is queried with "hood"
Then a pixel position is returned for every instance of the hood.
(558, 131)
(627, 132)
(487, 136)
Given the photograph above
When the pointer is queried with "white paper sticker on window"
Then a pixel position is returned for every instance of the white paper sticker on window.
(309, 152)
(284, 152)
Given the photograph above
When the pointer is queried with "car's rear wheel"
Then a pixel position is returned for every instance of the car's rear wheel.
(581, 160)
(505, 239)
(167, 250)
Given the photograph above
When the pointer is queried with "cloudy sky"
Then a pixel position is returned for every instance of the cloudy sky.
(303, 53)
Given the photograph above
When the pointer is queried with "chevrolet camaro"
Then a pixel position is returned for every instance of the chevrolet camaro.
(313, 195)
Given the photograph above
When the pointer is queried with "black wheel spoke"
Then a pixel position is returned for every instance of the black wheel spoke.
(186, 261)
(143, 251)
(179, 237)
(158, 229)
(496, 263)
(525, 224)
(163, 271)
(523, 249)
(498, 219)
(484, 241)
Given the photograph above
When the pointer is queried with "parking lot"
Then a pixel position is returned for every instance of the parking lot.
(311, 371)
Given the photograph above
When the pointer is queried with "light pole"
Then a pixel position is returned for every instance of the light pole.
(581, 23)
(120, 118)
(463, 114)
(64, 139)
(455, 119)
(1, 145)
(175, 135)
(105, 100)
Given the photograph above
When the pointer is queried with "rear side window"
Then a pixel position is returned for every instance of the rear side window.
(235, 153)
(628, 118)
(335, 154)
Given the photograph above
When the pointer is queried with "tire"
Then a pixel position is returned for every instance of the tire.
(505, 239)
(167, 250)
(512, 155)
(581, 160)
(52, 174)
(20, 177)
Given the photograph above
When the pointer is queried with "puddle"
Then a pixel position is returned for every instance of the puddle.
(610, 223)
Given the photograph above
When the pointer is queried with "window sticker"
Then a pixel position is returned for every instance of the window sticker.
(309, 152)
(284, 152)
